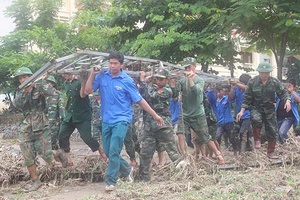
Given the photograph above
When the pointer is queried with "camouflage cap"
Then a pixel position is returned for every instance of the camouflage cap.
(188, 61)
(52, 79)
(162, 73)
(22, 71)
(264, 67)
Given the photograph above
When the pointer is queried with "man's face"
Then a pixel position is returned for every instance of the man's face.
(190, 68)
(221, 93)
(160, 82)
(264, 76)
(23, 78)
(115, 66)
(67, 76)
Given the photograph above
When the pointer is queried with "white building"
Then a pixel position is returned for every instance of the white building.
(67, 11)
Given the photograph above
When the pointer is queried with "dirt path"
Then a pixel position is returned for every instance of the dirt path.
(69, 190)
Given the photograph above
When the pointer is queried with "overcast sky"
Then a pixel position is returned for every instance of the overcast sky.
(7, 24)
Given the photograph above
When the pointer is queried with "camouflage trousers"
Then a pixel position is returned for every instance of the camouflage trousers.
(54, 129)
(149, 141)
(266, 117)
(35, 140)
(96, 130)
(129, 142)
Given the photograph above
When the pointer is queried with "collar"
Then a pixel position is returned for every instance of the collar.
(121, 75)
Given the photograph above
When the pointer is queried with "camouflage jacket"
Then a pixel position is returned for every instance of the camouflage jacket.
(257, 95)
(56, 107)
(33, 104)
(160, 103)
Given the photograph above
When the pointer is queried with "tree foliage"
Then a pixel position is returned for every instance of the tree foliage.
(21, 12)
(268, 24)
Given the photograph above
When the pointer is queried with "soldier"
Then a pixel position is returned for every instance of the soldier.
(78, 115)
(158, 96)
(260, 97)
(236, 95)
(117, 92)
(35, 135)
(191, 86)
(56, 112)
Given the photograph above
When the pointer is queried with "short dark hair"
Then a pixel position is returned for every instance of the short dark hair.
(292, 81)
(116, 55)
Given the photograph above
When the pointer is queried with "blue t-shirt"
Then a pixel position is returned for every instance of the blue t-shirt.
(117, 94)
(238, 95)
(175, 111)
(221, 108)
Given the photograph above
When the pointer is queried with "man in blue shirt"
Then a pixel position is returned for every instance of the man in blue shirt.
(243, 126)
(220, 105)
(285, 119)
(117, 91)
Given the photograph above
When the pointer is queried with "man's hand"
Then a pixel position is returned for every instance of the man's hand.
(96, 69)
(239, 115)
(287, 105)
(159, 120)
(191, 75)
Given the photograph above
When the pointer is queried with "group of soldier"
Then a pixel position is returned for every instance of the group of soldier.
(204, 120)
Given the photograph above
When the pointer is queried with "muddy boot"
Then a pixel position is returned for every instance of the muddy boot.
(60, 155)
(271, 149)
(256, 134)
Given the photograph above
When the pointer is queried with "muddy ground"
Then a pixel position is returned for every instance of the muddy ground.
(250, 176)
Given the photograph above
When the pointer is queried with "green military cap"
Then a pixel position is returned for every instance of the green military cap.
(22, 71)
(264, 67)
(52, 79)
(189, 61)
(162, 73)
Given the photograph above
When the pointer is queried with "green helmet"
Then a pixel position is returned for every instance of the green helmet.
(23, 71)
(162, 73)
(52, 79)
(189, 61)
(264, 67)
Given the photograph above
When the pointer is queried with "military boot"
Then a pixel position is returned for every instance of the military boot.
(271, 149)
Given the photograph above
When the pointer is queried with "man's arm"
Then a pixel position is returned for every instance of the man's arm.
(90, 80)
(149, 110)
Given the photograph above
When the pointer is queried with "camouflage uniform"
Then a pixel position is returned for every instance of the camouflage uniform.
(35, 135)
(152, 133)
(260, 99)
(210, 118)
(56, 113)
(96, 117)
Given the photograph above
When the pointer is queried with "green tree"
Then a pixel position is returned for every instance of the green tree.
(46, 11)
(21, 12)
(267, 24)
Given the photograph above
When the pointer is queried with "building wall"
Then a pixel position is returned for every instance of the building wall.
(67, 11)
(252, 63)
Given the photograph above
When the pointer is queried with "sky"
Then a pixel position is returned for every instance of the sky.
(7, 24)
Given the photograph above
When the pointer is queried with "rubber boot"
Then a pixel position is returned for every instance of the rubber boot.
(271, 149)
(256, 134)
